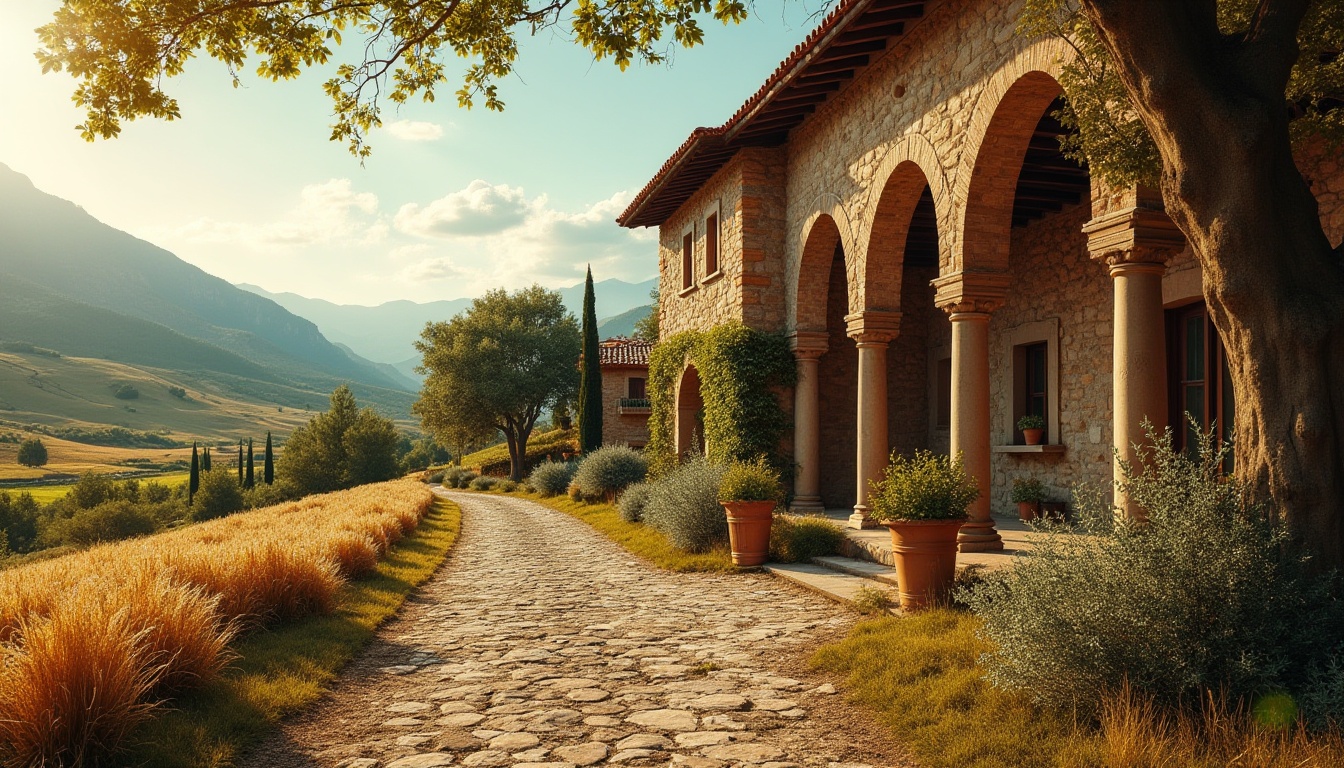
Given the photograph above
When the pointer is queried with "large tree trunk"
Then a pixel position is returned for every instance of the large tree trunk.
(1274, 287)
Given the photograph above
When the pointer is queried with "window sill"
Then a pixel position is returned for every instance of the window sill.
(688, 291)
(712, 277)
(1027, 448)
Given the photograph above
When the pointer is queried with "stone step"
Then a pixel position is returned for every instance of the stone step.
(835, 585)
(865, 569)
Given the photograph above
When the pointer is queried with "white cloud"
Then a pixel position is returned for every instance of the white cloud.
(414, 130)
(480, 209)
(324, 213)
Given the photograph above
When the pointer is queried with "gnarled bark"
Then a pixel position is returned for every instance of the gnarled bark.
(1274, 286)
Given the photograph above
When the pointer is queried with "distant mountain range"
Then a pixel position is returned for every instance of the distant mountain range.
(387, 333)
(73, 284)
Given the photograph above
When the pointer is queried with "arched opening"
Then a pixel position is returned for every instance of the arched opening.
(902, 262)
(1050, 341)
(690, 426)
(838, 383)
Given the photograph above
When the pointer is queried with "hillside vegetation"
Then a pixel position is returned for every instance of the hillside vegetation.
(95, 642)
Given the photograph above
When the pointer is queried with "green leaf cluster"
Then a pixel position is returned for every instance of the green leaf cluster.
(926, 486)
(753, 480)
(498, 366)
(1107, 134)
(742, 371)
(342, 448)
(122, 52)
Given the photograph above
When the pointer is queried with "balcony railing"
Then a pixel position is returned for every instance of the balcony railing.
(634, 406)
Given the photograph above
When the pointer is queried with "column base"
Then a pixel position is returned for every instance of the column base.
(860, 520)
(807, 505)
(979, 536)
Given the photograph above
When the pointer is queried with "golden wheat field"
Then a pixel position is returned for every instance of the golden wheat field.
(91, 642)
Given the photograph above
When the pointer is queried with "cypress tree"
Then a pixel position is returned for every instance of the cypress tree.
(240, 462)
(205, 459)
(590, 384)
(250, 480)
(194, 481)
(268, 471)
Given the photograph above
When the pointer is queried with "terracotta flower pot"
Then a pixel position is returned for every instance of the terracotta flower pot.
(926, 560)
(1028, 510)
(1033, 436)
(749, 530)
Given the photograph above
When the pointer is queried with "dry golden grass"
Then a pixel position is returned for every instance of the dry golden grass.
(1139, 734)
(77, 458)
(90, 640)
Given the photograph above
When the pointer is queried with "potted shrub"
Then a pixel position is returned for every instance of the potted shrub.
(1028, 493)
(923, 501)
(1032, 427)
(749, 493)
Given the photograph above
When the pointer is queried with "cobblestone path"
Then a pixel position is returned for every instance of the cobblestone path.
(542, 643)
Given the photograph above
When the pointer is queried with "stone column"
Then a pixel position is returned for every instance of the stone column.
(808, 347)
(872, 331)
(1135, 243)
(969, 299)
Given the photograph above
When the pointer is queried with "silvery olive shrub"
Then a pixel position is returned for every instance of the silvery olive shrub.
(551, 478)
(684, 505)
(1207, 594)
(606, 472)
(484, 483)
(632, 502)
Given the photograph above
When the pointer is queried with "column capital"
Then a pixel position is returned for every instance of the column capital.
(809, 344)
(873, 326)
(1137, 235)
(961, 292)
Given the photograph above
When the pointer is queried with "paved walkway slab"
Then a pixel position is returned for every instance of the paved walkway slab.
(543, 643)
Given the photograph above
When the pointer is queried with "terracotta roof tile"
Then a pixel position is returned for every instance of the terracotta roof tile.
(623, 351)
(709, 149)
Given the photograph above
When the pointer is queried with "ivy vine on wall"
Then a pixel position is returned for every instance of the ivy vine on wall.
(742, 371)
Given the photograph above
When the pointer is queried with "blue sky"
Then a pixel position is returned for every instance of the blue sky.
(247, 186)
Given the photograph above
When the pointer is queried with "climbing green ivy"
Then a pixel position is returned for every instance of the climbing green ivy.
(742, 372)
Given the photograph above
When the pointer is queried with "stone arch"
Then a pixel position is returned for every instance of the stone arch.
(689, 426)
(904, 174)
(819, 235)
(1006, 113)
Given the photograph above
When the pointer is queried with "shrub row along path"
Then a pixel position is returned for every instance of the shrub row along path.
(542, 643)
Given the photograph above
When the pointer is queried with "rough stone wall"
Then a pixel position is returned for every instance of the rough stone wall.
(1054, 277)
(628, 430)
(748, 194)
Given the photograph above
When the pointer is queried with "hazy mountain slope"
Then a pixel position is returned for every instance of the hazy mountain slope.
(56, 244)
(32, 314)
(386, 333)
(622, 324)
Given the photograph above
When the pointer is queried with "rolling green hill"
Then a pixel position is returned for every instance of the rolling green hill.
(75, 285)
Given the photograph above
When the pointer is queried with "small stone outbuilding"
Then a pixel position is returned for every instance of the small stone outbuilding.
(894, 199)
(625, 399)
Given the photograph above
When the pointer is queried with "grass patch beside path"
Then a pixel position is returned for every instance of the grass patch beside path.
(919, 675)
(639, 539)
(283, 669)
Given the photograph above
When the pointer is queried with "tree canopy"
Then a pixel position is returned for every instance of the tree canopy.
(499, 365)
(121, 52)
(32, 453)
(341, 448)
(1110, 135)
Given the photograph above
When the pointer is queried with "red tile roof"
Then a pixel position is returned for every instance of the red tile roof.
(623, 351)
(848, 39)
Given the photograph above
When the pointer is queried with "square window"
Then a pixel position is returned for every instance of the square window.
(637, 388)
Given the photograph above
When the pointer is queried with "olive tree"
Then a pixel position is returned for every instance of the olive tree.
(507, 359)
(1207, 98)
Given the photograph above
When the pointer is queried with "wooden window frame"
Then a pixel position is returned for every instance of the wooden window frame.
(1218, 405)
(713, 242)
(1018, 342)
(688, 259)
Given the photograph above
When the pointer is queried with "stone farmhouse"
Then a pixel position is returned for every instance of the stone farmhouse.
(893, 199)
(625, 400)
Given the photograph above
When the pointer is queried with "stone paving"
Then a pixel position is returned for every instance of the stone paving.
(544, 645)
